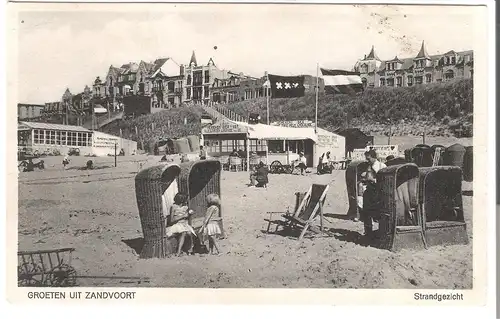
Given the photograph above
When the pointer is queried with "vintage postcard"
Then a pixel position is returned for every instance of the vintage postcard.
(333, 149)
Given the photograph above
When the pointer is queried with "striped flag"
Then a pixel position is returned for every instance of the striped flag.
(341, 82)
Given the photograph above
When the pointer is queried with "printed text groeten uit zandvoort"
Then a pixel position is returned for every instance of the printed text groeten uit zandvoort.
(81, 295)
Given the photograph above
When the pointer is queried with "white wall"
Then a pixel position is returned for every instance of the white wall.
(104, 144)
(329, 142)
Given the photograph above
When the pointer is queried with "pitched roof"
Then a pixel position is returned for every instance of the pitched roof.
(423, 52)
(408, 62)
(372, 55)
(50, 126)
(193, 59)
(129, 68)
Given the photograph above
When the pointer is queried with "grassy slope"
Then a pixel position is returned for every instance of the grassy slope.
(435, 106)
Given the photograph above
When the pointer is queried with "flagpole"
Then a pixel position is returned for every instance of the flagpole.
(268, 93)
(317, 93)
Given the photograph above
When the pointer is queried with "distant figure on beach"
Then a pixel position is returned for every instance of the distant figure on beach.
(234, 153)
(375, 164)
(259, 176)
(211, 226)
(301, 162)
(203, 153)
(179, 220)
(65, 161)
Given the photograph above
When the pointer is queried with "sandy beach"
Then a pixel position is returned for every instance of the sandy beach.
(96, 213)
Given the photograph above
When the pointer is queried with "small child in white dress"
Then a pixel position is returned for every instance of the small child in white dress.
(211, 226)
(179, 219)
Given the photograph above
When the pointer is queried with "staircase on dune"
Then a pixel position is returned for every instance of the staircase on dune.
(102, 120)
(219, 112)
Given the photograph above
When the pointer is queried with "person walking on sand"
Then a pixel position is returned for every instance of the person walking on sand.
(211, 227)
(65, 161)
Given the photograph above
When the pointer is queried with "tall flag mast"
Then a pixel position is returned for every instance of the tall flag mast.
(317, 94)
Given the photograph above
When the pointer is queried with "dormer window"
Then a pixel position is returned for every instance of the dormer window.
(453, 60)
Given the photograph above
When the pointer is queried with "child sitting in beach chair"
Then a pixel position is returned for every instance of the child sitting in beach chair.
(211, 227)
(179, 217)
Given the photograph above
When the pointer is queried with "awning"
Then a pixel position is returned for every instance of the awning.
(100, 109)
(273, 132)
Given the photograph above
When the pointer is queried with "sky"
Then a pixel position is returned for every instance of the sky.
(59, 48)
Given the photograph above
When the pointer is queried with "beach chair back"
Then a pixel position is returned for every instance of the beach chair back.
(352, 177)
(311, 202)
(150, 186)
(440, 197)
(400, 224)
(197, 180)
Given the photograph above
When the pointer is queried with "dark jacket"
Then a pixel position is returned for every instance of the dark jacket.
(262, 175)
(371, 200)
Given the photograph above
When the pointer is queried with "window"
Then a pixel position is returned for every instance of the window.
(198, 78)
(171, 100)
(212, 146)
(388, 66)
(188, 94)
(390, 82)
(418, 80)
(428, 78)
(63, 138)
(449, 75)
(38, 137)
(82, 139)
(171, 87)
(89, 139)
(207, 77)
(410, 80)
(72, 139)
(382, 82)
(188, 79)
(399, 81)
(453, 59)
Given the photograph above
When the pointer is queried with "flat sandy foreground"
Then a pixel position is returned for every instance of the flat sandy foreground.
(96, 213)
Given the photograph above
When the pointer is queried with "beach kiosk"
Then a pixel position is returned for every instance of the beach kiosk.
(269, 143)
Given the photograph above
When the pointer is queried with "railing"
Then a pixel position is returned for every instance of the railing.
(220, 112)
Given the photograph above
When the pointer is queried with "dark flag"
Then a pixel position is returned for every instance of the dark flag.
(286, 86)
(341, 82)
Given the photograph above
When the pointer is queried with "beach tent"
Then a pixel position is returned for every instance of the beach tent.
(181, 146)
(354, 138)
(194, 143)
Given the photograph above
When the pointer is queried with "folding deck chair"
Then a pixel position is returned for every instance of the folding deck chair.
(305, 212)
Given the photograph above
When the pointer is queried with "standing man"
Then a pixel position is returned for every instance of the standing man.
(375, 164)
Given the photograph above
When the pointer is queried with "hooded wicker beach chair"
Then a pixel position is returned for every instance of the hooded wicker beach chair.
(468, 168)
(422, 155)
(396, 161)
(440, 150)
(308, 206)
(400, 222)
(155, 188)
(352, 178)
(199, 179)
(441, 201)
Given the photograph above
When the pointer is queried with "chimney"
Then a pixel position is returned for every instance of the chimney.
(365, 56)
(182, 69)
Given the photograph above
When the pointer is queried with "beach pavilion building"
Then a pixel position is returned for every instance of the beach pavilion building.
(272, 142)
(49, 138)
